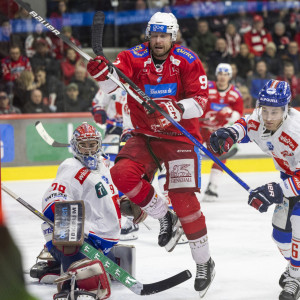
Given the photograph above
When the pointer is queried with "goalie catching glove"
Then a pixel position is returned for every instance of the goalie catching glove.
(173, 109)
(128, 208)
(264, 196)
(98, 68)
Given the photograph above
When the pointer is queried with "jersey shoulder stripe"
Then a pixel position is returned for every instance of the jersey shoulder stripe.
(186, 53)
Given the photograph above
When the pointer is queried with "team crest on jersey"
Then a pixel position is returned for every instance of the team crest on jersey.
(105, 179)
(253, 125)
(270, 146)
(82, 175)
(186, 53)
(161, 90)
(288, 141)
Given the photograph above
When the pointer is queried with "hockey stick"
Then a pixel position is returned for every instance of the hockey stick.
(97, 33)
(36, 16)
(112, 268)
(50, 141)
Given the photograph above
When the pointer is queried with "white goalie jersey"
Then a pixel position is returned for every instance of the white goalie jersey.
(102, 215)
(283, 146)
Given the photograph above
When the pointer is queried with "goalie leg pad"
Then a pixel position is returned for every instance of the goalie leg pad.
(90, 276)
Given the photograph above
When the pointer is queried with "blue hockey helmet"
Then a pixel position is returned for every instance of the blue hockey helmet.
(275, 93)
(86, 145)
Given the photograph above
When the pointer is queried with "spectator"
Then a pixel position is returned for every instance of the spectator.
(293, 56)
(233, 40)
(258, 37)
(7, 39)
(219, 55)
(87, 87)
(236, 80)
(51, 87)
(272, 59)
(294, 82)
(60, 47)
(281, 37)
(260, 77)
(180, 40)
(43, 57)
(243, 21)
(35, 104)
(22, 88)
(218, 23)
(13, 65)
(204, 41)
(31, 40)
(72, 102)
(69, 64)
(244, 62)
(248, 102)
(5, 106)
(57, 17)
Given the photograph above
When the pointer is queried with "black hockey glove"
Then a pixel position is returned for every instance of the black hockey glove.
(264, 196)
(222, 140)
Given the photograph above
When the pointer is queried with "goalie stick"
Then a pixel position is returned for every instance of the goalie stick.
(50, 141)
(97, 34)
(112, 268)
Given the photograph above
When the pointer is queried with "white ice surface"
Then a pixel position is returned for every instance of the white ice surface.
(248, 264)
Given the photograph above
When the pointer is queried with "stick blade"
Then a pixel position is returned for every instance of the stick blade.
(97, 32)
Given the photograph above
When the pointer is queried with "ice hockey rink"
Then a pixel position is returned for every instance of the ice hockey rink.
(248, 264)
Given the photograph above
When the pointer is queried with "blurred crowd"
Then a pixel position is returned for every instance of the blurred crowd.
(40, 73)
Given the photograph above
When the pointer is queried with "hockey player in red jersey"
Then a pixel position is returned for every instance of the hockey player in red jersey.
(225, 106)
(275, 128)
(174, 77)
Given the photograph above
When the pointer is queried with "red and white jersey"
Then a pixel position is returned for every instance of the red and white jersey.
(283, 146)
(113, 103)
(181, 76)
(257, 41)
(217, 100)
(75, 182)
(11, 70)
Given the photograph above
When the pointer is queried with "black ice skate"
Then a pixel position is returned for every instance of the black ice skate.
(210, 194)
(128, 230)
(170, 231)
(204, 276)
(291, 290)
(283, 277)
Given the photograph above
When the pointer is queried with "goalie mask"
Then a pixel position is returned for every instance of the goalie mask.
(163, 22)
(86, 145)
(273, 101)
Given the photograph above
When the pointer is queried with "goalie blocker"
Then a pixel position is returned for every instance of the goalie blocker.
(68, 231)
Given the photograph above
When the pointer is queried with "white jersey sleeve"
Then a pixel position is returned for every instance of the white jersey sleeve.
(283, 146)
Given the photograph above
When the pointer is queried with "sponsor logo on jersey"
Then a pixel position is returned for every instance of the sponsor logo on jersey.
(138, 47)
(288, 141)
(217, 106)
(253, 125)
(296, 181)
(270, 146)
(105, 179)
(143, 53)
(181, 173)
(159, 79)
(185, 53)
(56, 195)
(161, 90)
(271, 91)
(286, 153)
(100, 190)
(82, 175)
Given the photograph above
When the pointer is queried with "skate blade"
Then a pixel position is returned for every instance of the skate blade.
(174, 239)
(183, 240)
(202, 293)
(208, 198)
(128, 237)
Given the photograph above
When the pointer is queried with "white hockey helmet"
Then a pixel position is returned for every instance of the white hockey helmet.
(224, 68)
(163, 22)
